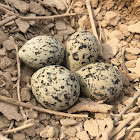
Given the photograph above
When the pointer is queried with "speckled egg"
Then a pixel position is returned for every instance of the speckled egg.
(82, 48)
(55, 87)
(100, 81)
(42, 51)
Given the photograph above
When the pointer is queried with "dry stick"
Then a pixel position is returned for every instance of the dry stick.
(4, 9)
(30, 106)
(7, 20)
(120, 135)
(70, 7)
(18, 83)
(47, 17)
(133, 125)
(7, 11)
(135, 130)
(135, 115)
(120, 127)
(134, 109)
(123, 61)
(14, 130)
(100, 37)
(6, 6)
(18, 36)
(10, 127)
(128, 105)
(10, 23)
(91, 18)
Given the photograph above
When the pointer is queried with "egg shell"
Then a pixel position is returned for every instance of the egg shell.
(41, 51)
(82, 48)
(100, 81)
(55, 87)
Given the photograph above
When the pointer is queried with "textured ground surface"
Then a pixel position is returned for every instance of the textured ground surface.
(118, 27)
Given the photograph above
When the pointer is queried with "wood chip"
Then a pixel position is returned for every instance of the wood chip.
(22, 6)
(60, 25)
(36, 8)
(23, 25)
(10, 111)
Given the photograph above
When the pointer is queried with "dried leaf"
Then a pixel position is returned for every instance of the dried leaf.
(9, 44)
(10, 111)
(60, 25)
(23, 25)
(59, 4)
(89, 105)
(36, 8)
(110, 48)
(22, 6)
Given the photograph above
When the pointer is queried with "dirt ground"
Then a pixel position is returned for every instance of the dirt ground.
(118, 27)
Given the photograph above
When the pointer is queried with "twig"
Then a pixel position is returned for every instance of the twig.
(91, 18)
(135, 115)
(133, 125)
(14, 130)
(5, 10)
(100, 28)
(10, 23)
(6, 6)
(11, 126)
(27, 105)
(19, 36)
(7, 20)
(123, 61)
(47, 17)
(120, 135)
(134, 109)
(135, 130)
(18, 83)
(53, 10)
(128, 105)
(120, 127)
(70, 7)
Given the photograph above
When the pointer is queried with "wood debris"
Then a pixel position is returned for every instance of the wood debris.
(115, 23)
(89, 105)
(27, 105)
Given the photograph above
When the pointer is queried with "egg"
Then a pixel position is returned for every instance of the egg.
(42, 51)
(55, 87)
(100, 81)
(82, 48)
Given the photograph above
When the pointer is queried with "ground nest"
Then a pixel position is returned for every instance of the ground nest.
(116, 25)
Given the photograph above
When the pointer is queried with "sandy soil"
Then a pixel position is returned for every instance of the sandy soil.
(118, 27)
